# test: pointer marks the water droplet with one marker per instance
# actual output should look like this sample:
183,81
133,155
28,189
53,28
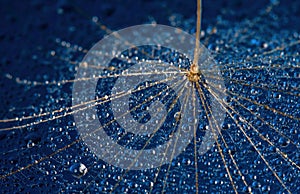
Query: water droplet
78,170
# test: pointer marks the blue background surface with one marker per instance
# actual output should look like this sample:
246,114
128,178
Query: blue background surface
30,31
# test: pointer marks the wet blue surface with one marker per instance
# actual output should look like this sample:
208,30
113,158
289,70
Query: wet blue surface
34,37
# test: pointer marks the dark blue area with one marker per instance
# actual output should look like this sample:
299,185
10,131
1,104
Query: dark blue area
30,31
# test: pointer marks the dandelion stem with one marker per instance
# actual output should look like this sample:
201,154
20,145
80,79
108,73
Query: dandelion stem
195,67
